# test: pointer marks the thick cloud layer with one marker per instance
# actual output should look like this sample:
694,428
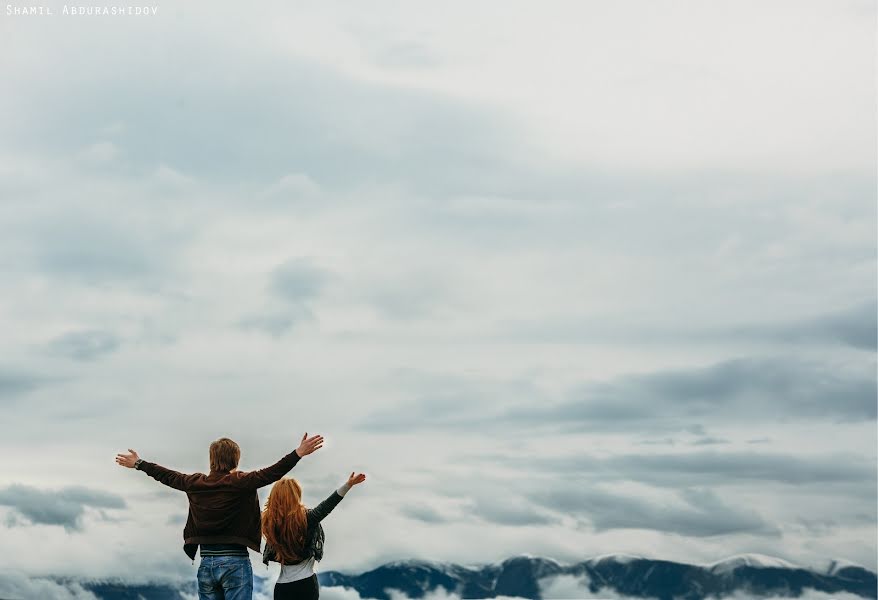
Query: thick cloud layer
65,507
18,585
740,390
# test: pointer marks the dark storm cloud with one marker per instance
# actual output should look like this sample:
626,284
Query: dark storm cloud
741,389
64,507
575,485
707,467
85,345
699,512
856,326
734,391
714,467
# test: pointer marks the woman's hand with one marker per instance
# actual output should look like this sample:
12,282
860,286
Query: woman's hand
355,479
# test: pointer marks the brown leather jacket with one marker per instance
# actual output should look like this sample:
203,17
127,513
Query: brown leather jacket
223,506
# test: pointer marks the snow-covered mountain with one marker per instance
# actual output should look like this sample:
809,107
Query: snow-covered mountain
754,575
756,561
746,575
840,566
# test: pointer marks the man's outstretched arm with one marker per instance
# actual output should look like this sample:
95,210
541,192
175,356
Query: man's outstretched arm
170,478
268,475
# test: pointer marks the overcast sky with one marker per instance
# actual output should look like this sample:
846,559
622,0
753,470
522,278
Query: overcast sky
565,279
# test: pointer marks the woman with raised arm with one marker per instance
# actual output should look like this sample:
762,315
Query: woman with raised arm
294,536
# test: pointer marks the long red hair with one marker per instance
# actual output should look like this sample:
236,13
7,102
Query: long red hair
284,521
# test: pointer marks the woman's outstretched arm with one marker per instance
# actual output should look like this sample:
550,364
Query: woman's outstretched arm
319,512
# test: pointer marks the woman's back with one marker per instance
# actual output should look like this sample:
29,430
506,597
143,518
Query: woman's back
297,544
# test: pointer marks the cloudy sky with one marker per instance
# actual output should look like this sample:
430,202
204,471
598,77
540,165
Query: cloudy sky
564,279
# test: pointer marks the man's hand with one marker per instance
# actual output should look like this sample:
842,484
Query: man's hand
355,479
127,460
309,445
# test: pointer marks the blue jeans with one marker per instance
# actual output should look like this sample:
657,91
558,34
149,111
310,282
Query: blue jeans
225,578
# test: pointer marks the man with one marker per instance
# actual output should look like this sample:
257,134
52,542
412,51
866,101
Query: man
224,516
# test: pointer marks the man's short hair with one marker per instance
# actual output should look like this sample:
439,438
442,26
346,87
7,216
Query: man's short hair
224,455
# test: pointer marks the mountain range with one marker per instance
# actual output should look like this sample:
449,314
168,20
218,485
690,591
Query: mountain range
634,576
751,575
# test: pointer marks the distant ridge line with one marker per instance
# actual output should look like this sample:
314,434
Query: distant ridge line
528,576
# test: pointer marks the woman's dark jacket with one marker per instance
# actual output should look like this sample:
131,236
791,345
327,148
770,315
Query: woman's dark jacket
314,536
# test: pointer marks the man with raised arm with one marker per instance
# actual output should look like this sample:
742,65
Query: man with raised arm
224,513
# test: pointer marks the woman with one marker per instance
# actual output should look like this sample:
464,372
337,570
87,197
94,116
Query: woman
294,536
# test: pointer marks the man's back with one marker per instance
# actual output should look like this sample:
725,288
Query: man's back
223,506
220,506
